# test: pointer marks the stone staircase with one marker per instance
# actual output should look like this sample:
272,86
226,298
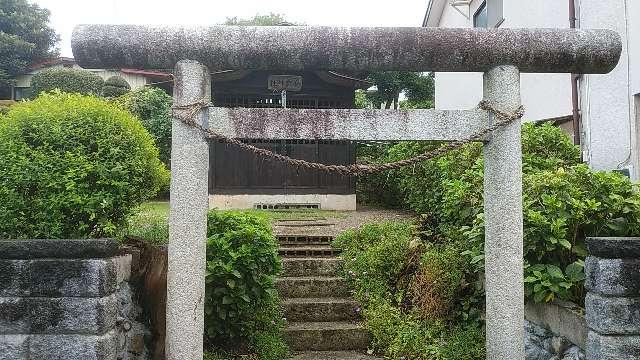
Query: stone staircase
322,318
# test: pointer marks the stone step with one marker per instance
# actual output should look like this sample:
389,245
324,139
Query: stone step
305,239
305,266
312,287
321,309
308,251
333,355
326,336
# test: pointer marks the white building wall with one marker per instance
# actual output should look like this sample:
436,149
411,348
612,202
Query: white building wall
543,95
607,101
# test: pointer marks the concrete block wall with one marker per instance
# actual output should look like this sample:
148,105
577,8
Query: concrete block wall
61,299
613,300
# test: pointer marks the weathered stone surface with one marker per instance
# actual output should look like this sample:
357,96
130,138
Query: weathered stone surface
602,347
187,219
321,309
614,247
323,336
58,248
57,315
333,355
504,280
57,347
300,287
14,347
310,266
613,277
542,344
347,49
558,319
73,347
613,315
58,277
132,325
351,124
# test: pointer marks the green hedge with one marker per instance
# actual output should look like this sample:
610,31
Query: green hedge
67,80
563,202
115,86
73,166
241,303
153,107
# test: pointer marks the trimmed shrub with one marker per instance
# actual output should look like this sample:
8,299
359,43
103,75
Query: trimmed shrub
67,80
241,303
115,86
153,107
73,166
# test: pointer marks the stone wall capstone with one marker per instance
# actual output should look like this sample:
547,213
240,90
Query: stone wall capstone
613,300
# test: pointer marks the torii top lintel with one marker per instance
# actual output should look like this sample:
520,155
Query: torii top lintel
297,48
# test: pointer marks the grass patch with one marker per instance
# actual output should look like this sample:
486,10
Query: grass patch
151,220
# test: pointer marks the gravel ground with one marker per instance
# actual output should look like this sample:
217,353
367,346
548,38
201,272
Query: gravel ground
328,225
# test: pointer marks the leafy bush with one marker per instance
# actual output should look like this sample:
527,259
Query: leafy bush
383,262
563,202
115,86
374,256
153,107
241,302
437,284
67,80
73,166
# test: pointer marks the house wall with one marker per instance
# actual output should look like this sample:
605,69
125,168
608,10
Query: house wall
607,101
543,95
135,81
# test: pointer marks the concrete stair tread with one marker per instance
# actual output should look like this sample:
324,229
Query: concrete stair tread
325,325
325,300
311,258
307,278
332,355
308,247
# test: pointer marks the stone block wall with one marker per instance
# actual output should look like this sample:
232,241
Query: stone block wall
613,300
555,331
64,299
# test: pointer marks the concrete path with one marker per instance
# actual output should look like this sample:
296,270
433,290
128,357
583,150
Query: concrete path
333,355
323,321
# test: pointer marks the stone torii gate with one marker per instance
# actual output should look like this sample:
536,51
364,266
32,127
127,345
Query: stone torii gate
500,53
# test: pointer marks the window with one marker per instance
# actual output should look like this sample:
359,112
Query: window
480,18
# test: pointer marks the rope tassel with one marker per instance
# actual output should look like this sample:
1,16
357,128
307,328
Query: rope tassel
187,114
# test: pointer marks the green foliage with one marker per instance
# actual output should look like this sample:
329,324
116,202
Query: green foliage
115,86
25,38
150,223
374,256
153,107
260,20
241,302
436,286
73,166
418,88
67,80
563,202
384,263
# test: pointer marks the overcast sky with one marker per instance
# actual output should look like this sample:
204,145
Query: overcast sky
65,14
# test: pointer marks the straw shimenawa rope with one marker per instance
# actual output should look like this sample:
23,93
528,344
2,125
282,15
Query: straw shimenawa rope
187,114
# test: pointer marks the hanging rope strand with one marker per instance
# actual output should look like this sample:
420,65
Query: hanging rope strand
187,114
